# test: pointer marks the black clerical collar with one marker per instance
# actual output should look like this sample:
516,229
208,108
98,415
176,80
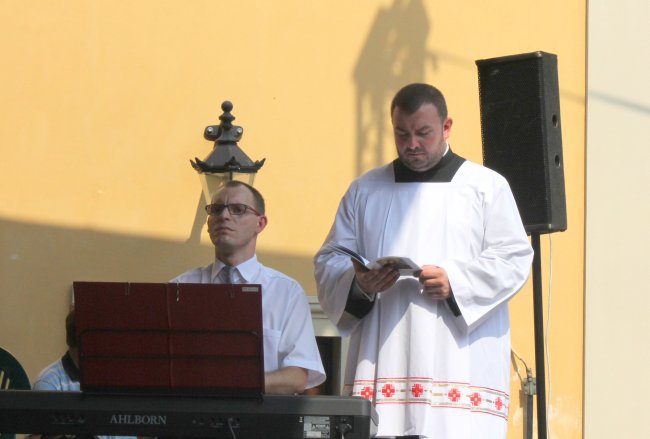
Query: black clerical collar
442,172
70,368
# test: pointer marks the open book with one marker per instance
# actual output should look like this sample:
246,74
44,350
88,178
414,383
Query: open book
404,265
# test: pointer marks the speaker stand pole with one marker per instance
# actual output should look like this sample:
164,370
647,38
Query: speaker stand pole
538,310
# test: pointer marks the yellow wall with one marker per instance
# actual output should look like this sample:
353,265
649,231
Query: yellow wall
105,102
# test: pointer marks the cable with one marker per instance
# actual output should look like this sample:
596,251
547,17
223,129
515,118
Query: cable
344,428
530,389
232,431
518,357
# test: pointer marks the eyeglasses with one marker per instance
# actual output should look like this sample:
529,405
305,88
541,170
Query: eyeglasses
236,209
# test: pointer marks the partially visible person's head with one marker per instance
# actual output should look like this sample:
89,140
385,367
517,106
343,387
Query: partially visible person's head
71,336
420,125
235,218
71,329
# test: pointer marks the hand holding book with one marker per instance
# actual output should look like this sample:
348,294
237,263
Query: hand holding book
404,265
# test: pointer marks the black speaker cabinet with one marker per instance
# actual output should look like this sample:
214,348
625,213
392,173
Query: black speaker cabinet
522,137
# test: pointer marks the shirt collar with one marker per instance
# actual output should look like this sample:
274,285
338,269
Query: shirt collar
442,172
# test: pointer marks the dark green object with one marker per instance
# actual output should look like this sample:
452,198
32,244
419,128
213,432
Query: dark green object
12,376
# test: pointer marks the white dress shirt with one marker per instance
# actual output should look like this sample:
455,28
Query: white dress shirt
286,319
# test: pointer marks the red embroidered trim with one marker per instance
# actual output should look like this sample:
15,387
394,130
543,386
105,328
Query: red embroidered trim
436,394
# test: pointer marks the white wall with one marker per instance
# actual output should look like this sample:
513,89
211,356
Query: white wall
617,296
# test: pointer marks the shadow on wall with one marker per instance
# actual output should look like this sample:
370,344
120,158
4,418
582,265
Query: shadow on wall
393,55
39,263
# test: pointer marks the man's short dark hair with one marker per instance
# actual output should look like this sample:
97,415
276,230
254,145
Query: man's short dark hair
411,97
260,205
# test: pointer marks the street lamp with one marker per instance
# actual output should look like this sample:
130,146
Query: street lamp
227,161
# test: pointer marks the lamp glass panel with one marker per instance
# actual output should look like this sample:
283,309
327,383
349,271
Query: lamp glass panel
212,182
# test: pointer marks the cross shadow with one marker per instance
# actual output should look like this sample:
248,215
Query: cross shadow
393,55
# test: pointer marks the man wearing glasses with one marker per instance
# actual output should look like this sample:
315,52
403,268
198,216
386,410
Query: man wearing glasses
235,219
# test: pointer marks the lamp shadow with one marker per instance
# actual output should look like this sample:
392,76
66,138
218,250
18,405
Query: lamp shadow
394,54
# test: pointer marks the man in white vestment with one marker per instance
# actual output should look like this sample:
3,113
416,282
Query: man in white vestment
431,352
291,359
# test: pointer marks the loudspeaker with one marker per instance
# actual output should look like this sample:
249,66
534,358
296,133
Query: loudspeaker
522,137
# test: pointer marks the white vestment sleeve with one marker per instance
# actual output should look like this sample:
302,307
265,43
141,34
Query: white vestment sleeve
334,272
483,283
